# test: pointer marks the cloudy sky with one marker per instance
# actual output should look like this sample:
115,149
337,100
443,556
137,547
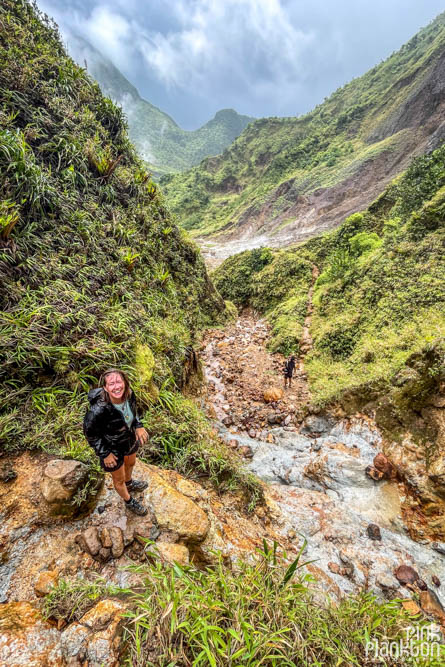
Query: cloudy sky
261,57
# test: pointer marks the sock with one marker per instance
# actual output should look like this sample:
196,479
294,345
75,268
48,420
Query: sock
129,500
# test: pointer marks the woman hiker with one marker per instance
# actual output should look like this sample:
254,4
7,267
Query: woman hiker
113,429
288,370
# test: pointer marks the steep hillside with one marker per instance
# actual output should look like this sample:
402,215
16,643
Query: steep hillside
291,178
378,321
93,273
159,140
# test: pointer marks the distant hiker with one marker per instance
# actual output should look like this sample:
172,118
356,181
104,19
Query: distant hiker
288,371
113,430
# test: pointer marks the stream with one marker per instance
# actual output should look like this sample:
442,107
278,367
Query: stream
314,466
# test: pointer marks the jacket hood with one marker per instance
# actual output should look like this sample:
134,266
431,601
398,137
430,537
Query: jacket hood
94,395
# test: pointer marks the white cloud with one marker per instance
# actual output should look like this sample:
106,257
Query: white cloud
247,41
262,57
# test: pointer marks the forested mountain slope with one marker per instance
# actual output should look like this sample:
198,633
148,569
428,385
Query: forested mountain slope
157,137
291,178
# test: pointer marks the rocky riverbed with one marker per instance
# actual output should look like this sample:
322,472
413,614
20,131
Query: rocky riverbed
324,472
329,486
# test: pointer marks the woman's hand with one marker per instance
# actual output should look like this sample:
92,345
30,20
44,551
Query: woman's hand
141,435
110,461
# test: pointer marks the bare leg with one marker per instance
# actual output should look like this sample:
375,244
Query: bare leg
119,483
129,462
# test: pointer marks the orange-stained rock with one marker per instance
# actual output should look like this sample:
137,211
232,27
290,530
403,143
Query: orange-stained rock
173,510
272,394
431,604
172,553
102,614
26,638
45,581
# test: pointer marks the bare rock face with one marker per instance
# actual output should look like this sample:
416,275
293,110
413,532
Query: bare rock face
272,394
61,479
437,473
174,511
26,638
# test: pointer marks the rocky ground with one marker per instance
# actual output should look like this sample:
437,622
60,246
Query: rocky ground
328,482
245,383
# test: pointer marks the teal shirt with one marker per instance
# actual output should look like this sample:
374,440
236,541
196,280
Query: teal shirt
126,412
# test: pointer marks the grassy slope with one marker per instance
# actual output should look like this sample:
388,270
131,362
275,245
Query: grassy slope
158,139
93,273
357,123
379,304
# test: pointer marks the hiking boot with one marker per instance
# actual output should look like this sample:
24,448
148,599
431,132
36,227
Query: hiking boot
134,506
136,485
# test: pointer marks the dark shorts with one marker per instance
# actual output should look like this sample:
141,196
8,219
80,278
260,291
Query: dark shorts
132,449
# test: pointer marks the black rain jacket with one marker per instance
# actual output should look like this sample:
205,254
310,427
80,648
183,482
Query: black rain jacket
104,425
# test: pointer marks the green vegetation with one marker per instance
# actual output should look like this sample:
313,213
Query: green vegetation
275,283
93,272
378,324
264,612
371,121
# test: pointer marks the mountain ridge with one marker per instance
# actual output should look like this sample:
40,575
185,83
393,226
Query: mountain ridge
157,136
291,178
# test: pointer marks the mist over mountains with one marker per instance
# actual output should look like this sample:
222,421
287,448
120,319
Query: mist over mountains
158,138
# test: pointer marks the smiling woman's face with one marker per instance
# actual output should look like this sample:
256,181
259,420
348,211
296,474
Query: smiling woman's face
115,386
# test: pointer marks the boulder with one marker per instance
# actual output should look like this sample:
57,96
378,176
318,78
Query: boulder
431,605
373,473
406,574
384,466
246,451
89,541
26,638
45,581
173,510
94,640
171,552
105,537
117,541
272,394
374,532
61,479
